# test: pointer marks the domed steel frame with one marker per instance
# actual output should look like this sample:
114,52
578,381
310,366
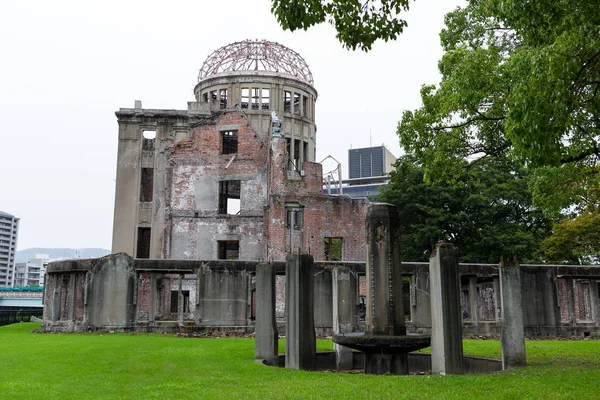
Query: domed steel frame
256,55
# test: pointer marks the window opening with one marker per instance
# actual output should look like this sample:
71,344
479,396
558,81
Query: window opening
229,249
297,153
148,140
229,197
287,101
305,144
297,103
143,243
175,301
245,97
255,98
229,142
304,106
213,95
146,184
265,99
205,97
223,98
333,248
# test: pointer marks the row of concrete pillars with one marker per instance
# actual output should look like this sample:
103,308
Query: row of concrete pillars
446,338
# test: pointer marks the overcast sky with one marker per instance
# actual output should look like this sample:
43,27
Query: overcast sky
67,66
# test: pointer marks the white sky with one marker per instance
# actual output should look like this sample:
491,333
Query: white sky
67,66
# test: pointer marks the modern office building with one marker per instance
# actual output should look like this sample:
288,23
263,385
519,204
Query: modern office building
9,229
369,162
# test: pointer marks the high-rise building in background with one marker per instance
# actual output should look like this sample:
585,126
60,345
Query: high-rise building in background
9,229
370,162
31,273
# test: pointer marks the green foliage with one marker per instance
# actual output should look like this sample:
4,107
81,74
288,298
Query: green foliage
126,366
358,24
487,212
518,78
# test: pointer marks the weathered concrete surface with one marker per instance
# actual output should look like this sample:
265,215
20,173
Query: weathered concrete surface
345,297
223,296
385,313
512,339
446,320
323,303
266,325
300,339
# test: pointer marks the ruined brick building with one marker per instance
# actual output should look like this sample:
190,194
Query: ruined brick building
216,181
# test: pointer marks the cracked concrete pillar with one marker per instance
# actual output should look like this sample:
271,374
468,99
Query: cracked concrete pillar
180,301
300,340
446,319
512,338
266,325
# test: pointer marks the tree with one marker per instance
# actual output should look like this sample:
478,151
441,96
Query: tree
358,23
518,78
486,213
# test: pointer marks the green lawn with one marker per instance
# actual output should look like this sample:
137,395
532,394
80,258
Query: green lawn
125,366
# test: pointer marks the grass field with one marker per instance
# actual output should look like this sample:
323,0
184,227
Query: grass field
127,366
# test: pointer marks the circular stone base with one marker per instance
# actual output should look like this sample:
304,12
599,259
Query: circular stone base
382,344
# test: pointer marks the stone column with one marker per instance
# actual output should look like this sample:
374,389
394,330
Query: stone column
180,301
385,313
497,299
153,289
345,296
512,338
323,302
446,320
473,301
266,324
300,340
570,300
594,302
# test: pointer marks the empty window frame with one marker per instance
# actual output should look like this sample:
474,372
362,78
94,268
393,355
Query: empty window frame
205,97
297,103
228,249
143,243
333,248
213,95
223,98
175,301
148,140
265,99
245,97
304,106
229,197
229,142
305,144
294,218
287,101
146,184
255,98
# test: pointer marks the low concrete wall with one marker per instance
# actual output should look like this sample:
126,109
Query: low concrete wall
119,293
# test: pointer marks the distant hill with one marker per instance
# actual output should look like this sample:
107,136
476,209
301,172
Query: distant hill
24,255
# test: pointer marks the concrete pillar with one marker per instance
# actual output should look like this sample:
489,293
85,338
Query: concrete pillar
446,320
323,303
497,299
594,302
570,300
300,340
345,296
473,301
180,301
385,314
266,325
512,338
153,289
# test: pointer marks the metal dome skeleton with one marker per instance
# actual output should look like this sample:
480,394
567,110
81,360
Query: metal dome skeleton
256,55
